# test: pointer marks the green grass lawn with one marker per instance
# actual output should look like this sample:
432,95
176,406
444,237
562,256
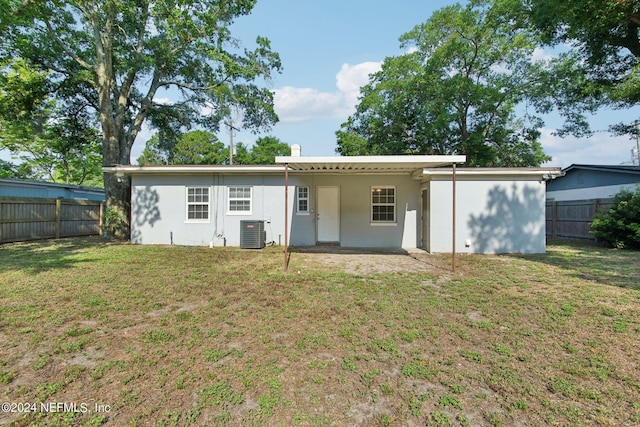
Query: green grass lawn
153,335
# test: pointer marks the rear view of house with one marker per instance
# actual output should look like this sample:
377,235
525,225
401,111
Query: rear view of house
359,201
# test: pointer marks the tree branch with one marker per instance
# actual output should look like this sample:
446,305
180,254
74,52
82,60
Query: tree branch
52,33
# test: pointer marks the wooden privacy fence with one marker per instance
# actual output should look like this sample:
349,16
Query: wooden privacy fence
34,219
572,218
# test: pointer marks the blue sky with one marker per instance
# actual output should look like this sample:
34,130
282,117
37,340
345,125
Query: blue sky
329,47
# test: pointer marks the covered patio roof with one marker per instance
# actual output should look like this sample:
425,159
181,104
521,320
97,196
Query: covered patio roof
367,164
350,165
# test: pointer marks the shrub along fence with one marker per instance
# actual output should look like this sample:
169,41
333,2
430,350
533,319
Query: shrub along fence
34,218
572,218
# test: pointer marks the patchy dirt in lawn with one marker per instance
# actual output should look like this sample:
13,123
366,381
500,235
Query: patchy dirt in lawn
360,261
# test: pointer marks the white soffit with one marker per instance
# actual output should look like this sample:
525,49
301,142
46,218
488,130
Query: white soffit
522,173
367,164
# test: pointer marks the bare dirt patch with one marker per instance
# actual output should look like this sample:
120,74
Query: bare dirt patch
360,261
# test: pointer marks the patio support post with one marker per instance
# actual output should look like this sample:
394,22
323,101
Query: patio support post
453,229
286,216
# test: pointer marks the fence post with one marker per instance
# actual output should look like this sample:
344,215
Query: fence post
58,218
100,219
554,219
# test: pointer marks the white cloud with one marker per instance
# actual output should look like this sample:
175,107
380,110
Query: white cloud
599,149
163,101
351,78
295,105
540,54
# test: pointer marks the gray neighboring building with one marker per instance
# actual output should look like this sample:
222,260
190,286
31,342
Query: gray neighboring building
359,201
585,182
10,187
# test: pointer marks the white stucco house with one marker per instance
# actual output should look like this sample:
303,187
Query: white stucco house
359,201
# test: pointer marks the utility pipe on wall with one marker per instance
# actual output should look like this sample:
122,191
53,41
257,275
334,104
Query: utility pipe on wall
286,216
453,250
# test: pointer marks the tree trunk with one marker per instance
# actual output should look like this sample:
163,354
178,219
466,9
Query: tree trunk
118,215
116,151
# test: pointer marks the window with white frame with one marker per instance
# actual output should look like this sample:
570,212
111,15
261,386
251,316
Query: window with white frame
240,200
383,204
303,200
197,203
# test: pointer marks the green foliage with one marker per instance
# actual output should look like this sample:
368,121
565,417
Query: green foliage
6,376
266,149
24,102
114,222
54,143
198,147
418,369
11,170
157,336
439,419
203,148
620,225
447,400
112,58
606,36
455,92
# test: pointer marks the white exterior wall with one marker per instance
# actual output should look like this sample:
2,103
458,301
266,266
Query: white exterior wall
492,216
356,229
159,210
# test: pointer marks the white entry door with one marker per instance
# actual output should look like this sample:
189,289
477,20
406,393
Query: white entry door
328,214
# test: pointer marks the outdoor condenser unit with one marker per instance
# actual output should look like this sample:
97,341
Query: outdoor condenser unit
252,234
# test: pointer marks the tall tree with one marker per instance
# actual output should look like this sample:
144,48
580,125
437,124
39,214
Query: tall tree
25,104
265,150
604,33
73,147
156,152
191,148
55,143
201,147
116,55
458,91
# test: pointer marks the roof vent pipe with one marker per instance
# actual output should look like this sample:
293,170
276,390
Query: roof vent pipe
295,150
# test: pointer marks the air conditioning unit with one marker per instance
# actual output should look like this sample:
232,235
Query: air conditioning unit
252,234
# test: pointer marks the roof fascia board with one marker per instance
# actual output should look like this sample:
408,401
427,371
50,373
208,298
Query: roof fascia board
192,170
351,165
339,160
498,173
28,183
604,168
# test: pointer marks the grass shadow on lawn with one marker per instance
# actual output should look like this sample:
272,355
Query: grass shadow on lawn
40,256
592,262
